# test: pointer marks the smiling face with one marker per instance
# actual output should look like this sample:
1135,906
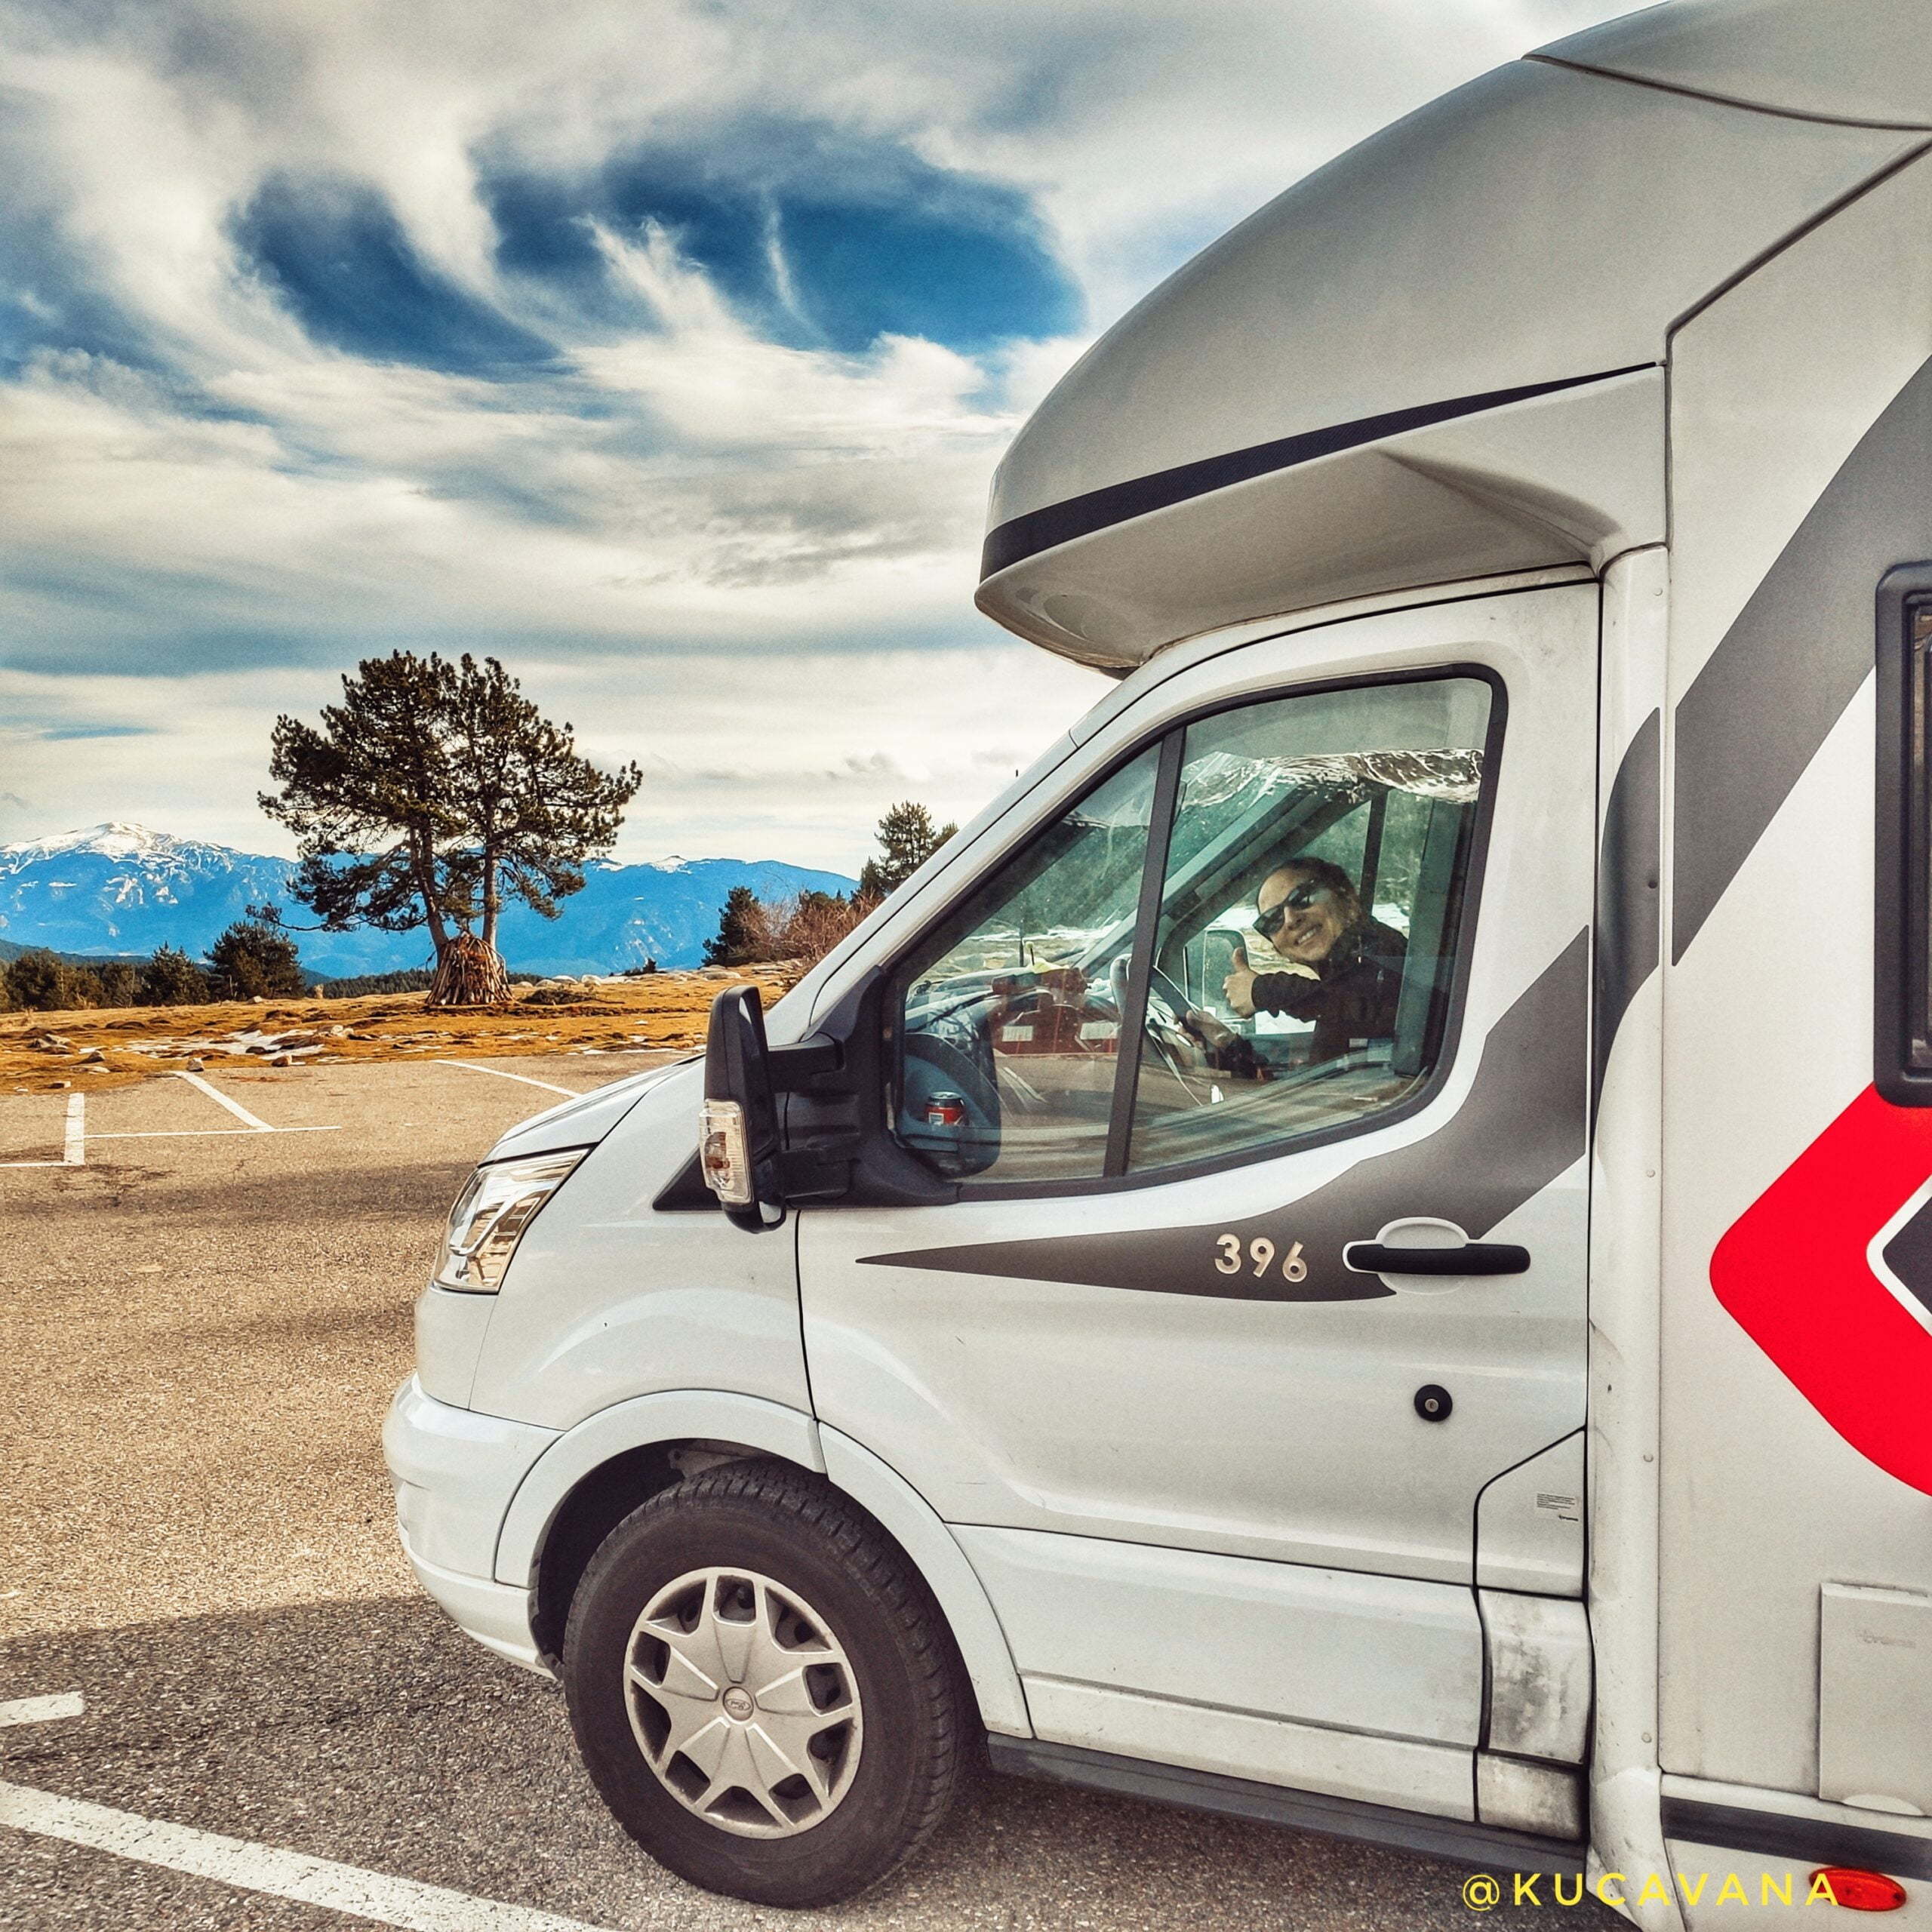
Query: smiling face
1313,915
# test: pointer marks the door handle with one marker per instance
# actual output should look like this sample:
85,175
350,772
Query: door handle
1475,1257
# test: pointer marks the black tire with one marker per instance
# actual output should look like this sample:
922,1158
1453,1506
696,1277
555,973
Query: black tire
795,1529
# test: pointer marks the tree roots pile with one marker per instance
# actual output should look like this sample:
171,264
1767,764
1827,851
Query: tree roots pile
469,973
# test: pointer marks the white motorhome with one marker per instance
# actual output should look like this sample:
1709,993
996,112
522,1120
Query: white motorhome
1358,1250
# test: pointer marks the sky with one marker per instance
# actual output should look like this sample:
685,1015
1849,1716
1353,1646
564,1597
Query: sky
662,349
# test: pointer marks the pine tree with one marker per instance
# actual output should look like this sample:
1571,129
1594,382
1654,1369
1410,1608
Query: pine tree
120,984
255,958
744,931
43,983
907,838
433,795
532,809
368,797
171,978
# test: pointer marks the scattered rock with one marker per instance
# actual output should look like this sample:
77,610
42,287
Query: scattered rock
198,1066
94,1057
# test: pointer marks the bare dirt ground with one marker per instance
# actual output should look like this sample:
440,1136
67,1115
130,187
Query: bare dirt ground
96,1049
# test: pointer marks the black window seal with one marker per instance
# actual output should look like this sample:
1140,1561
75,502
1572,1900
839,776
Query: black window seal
1902,888
1174,733
1140,970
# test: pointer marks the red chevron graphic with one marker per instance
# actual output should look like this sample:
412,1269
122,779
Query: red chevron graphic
1792,1272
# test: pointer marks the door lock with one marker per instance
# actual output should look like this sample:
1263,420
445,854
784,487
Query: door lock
1433,1402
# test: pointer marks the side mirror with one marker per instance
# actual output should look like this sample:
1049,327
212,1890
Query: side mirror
738,1144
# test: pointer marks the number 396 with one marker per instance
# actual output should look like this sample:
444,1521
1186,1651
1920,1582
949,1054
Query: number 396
1259,1257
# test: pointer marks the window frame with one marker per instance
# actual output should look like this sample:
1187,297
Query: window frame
1902,894
1171,738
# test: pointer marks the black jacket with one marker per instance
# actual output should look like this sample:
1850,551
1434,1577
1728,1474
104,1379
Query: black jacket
1355,995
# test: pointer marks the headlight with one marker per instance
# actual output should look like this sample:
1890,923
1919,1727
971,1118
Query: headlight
501,1201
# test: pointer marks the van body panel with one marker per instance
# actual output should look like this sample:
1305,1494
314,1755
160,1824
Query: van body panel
607,1298
1433,1779
1530,1524
1875,1698
1336,1649
450,1328
1289,323
1255,435
454,1470
1626,1185
1571,476
1787,516
1852,59
934,1550
1538,1676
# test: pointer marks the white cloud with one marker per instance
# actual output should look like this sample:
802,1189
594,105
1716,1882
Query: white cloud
748,560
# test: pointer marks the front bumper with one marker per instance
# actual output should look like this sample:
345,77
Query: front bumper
455,1472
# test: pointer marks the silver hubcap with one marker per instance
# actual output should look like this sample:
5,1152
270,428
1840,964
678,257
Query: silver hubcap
743,1702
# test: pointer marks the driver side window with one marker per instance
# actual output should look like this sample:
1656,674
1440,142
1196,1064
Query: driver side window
1009,1015
1245,938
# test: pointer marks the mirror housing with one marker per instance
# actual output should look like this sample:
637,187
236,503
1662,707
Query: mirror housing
738,1142
798,1123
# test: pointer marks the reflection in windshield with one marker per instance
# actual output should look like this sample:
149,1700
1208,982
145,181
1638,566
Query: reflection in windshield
1295,977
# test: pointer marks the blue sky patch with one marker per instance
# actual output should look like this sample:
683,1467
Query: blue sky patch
343,264
820,240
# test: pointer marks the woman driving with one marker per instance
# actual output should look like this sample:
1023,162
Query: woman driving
1350,977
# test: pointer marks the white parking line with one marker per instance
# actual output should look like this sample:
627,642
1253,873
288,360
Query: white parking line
261,1868
74,1144
201,1133
221,1099
548,1086
43,1710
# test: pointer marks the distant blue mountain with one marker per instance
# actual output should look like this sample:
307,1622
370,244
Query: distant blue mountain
121,890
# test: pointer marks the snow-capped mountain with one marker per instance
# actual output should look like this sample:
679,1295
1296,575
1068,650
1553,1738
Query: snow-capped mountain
119,889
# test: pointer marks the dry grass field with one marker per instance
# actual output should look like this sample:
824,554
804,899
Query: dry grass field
95,1049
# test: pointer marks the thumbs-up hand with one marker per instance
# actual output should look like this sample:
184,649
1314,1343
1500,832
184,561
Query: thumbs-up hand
1238,987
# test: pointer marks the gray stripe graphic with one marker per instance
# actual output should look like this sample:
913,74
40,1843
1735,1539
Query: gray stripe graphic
1799,650
1628,908
1521,1125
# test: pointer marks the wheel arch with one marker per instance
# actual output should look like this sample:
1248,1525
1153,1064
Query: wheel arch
593,1476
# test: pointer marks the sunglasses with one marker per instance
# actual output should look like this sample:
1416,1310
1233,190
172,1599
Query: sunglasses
1268,923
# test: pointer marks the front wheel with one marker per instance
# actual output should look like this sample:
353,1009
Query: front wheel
762,1688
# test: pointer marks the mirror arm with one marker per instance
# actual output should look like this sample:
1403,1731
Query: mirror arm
838,1145
814,1111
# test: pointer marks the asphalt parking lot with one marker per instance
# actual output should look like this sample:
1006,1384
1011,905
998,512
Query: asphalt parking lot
218,1683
